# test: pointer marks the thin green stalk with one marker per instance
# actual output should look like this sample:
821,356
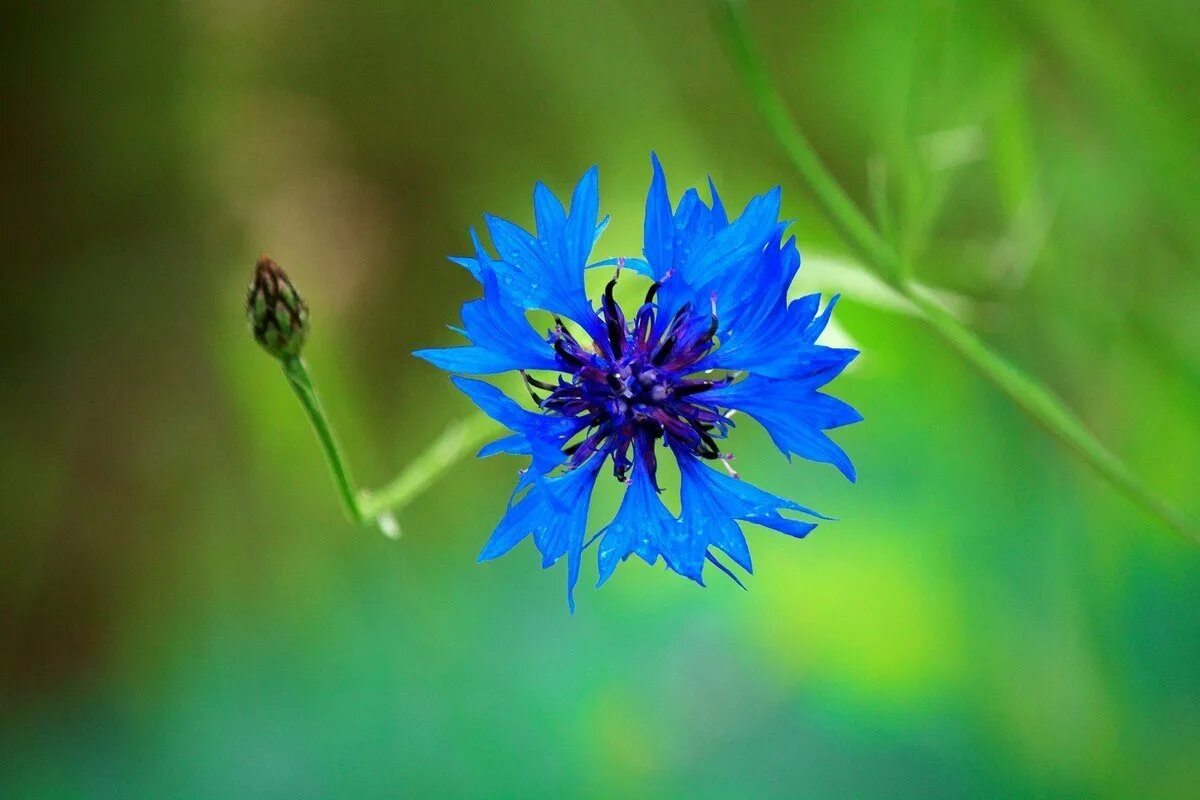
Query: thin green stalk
1030,396
855,228
367,507
1050,412
461,438
298,378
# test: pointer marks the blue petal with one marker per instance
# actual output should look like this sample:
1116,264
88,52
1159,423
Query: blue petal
502,339
714,257
539,435
516,445
473,265
659,230
696,251
546,271
713,502
814,329
785,357
548,213
720,218
794,414
555,511
761,333
580,231
633,264
643,526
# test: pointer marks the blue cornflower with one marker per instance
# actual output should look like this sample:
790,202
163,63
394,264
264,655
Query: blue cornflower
715,334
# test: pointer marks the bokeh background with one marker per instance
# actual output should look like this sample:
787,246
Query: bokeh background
183,610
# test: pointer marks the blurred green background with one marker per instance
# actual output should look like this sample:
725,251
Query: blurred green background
183,611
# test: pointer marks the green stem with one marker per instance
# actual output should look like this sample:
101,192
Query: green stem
878,256
457,440
298,378
366,507
1050,412
855,228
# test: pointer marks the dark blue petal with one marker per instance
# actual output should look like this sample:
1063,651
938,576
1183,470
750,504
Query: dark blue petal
794,414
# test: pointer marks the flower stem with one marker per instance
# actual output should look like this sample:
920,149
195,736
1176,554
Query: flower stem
298,378
366,507
459,439
1038,402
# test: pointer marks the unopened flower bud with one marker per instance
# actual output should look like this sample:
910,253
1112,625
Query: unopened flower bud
278,314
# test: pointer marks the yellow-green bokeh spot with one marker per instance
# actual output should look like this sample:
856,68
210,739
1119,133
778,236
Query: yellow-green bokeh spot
872,617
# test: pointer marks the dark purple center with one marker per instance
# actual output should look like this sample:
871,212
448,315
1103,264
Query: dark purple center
632,387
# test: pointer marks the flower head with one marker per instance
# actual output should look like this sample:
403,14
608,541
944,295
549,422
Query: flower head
714,333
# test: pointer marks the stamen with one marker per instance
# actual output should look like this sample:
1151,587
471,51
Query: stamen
549,387
712,325
629,389
530,383
688,388
614,320
725,458
663,351
565,355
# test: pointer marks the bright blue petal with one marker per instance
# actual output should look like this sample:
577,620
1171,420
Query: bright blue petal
794,414
555,512
644,527
695,251
788,358
540,435
761,333
659,232
546,271
814,329
720,218
713,502
580,231
715,253
502,339
633,264
601,227
516,445
471,265
548,213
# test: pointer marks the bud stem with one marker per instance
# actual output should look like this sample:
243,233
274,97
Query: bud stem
297,376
